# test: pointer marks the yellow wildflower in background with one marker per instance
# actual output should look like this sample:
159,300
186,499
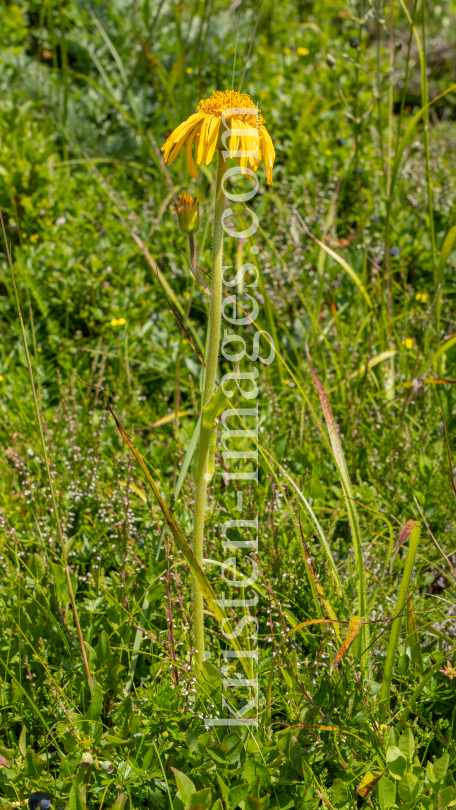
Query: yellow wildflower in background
118,322
203,128
408,343
422,296
303,51
1,378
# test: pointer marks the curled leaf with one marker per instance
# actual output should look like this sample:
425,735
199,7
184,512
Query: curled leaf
353,630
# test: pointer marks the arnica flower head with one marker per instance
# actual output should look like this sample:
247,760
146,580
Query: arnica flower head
187,210
206,124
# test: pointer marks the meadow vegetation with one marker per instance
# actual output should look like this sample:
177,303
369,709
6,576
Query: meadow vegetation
102,704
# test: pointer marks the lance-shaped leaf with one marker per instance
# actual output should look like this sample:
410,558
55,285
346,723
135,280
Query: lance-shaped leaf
353,630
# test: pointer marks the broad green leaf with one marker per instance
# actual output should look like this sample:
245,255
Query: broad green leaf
283,801
217,805
252,803
184,784
34,765
218,752
201,798
237,795
339,793
252,768
103,648
37,566
120,802
437,770
197,742
75,800
396,762
445,796
407,744
409,787
386,793
96,702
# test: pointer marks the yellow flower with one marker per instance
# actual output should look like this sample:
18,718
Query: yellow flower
189,70
287,51
303,51
34,237
114,322
203,127
408,343
121,322
187,213
1,378
423,297
328,152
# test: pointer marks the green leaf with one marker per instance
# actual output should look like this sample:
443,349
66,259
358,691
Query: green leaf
104,651
252,768
75,800
237,795
283,801
396,762
447,247
339,793
409,787
23,741
34,765
197,742
445,796
218,752
386,793
217,805
407,744
37,566
252,803
185,785
96,702
201,798
120,802
437,770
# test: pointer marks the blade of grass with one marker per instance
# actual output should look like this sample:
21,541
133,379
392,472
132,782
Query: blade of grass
46,462
395,629
352,516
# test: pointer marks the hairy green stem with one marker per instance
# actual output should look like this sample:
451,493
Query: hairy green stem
215,317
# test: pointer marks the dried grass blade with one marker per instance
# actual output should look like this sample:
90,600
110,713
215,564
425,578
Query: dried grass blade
353,629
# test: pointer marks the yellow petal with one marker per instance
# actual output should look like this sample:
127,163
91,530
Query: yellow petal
268,152
193,171
234,139
202,146
212,138
180,133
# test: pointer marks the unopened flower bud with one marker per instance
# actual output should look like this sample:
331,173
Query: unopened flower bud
330,60
187,211
87,758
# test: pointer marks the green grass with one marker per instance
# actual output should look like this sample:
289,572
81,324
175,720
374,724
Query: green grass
86,97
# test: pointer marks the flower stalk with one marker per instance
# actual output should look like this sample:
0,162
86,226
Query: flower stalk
202,474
